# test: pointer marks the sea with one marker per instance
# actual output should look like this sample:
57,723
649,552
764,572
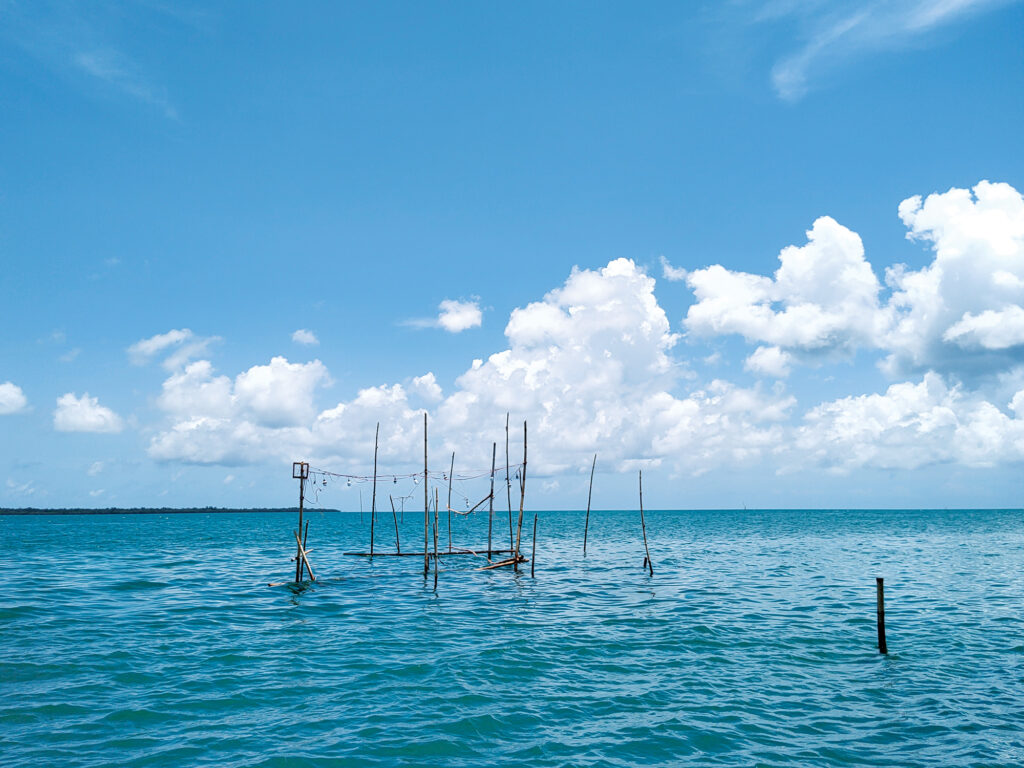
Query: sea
155,640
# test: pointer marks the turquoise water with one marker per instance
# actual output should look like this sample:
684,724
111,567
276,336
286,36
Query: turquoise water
154,640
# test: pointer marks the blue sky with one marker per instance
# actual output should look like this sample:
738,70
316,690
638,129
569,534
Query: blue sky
420,186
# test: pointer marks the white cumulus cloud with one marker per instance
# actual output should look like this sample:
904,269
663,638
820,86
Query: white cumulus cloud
84,414
823,298
912,425
12,398
769,361
588,366
457,316
304,336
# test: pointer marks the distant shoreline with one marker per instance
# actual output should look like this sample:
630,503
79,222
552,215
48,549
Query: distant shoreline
150,510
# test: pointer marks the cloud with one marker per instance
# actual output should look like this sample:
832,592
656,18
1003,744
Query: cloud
185,345
457,316
84,414
827,291
303,336
912,425
12,399
453,316
670,273
962,312
117,70
427,387
95,468
836,33
769,361
588,365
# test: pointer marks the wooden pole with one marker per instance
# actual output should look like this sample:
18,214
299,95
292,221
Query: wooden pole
490,505
302,554
590,491
522,496
533,547
435,536
398,544
373,502
305,535
426,504
450,502
880,598
643,526
508,482
302,499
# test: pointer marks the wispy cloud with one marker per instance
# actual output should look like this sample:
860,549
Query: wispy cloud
94,40
453,316
115,69
836,33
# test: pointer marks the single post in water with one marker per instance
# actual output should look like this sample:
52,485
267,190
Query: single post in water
590,491
643,526
300,472
426,504
373,501
450,471
490,502
880,595
533,546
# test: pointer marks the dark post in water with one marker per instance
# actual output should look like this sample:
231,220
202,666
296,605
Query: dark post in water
880,593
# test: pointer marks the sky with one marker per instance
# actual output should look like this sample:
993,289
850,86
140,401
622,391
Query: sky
769,252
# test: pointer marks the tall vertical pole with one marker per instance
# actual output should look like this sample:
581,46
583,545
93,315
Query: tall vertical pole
450,502
508,485
643,526
426,504
590,491
490,503
398,544
373,502
436,558
302,499
522,496
880,599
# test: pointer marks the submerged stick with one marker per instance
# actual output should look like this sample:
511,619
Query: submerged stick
590,491
398,544
490,506
453,553
373,502
533,548
511,561
880,599
450,502
647,560
426,504
522,495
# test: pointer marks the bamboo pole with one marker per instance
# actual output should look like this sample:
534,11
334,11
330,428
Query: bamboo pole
373,502
426,504
490,505
302,553
508,484
398,544
533,547
880,607
302,499
643,526
450,502
453,553
305,535
590,491
522,496
435,536
510,561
